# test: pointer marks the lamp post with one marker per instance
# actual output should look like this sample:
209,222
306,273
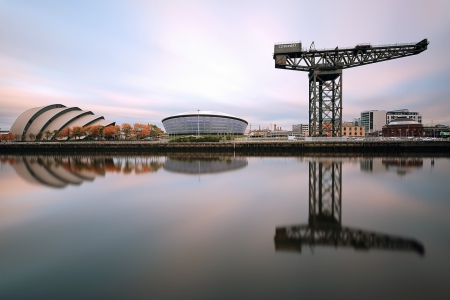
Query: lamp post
198,122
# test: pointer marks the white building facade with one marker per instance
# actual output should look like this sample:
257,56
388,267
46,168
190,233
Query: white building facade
403,113
373,120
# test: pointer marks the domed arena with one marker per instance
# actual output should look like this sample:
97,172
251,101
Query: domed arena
204,122
54,117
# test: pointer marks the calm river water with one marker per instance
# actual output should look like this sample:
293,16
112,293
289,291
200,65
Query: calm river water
215,227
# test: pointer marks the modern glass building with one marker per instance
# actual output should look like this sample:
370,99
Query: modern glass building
204,122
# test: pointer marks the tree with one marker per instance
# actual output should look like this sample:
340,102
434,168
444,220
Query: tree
17,137
47,134
117,132
77,132
55,134
39,136
32,136
137,130
145,131
95,131
65,133
126,130
109,132
10,136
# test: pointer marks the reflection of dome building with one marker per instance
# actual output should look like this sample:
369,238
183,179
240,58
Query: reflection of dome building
402,165
403,127
204,122
54,117
204,165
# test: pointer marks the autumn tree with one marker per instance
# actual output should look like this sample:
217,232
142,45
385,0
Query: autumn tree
126,130
145,131
137,129
78,132
65,133
95,131
109,132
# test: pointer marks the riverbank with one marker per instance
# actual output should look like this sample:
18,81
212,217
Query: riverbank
247,147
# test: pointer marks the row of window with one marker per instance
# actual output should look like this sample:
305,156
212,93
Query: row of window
204,125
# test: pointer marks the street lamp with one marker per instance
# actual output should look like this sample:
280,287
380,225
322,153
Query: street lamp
198,122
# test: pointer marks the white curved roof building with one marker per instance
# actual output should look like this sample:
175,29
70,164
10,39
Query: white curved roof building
54,117
204,122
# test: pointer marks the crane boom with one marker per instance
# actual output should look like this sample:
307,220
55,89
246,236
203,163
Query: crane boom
344,58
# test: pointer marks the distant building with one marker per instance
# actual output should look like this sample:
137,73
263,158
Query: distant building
403,127
403,113
438,130
373,120
300,129
348,129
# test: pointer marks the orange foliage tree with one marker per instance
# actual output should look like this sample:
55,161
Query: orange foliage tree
109,132
95,131
126,130
65,133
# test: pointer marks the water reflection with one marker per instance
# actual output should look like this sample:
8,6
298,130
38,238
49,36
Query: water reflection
324,226
204,165
401,166
61,171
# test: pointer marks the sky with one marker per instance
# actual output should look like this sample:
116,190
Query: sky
140,61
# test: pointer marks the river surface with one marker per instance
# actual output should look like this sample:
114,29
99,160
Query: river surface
217,227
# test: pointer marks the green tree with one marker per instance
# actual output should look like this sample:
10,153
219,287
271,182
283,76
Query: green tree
39,136
47,134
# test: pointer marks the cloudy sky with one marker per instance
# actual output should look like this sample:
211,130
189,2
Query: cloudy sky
141,61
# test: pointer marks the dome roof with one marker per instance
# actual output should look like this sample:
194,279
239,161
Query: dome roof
403,121
54,117
204,113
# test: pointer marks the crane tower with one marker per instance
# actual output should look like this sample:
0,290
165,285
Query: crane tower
324,69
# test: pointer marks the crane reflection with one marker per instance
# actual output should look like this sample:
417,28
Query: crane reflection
324,227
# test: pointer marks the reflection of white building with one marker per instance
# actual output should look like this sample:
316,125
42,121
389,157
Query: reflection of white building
372,165
52,172
204,122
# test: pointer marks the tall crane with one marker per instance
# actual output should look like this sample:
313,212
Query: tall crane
324,69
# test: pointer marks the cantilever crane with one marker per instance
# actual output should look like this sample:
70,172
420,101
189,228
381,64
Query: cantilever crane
325,75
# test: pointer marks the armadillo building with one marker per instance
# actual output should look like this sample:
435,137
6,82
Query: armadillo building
54,117
204,122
